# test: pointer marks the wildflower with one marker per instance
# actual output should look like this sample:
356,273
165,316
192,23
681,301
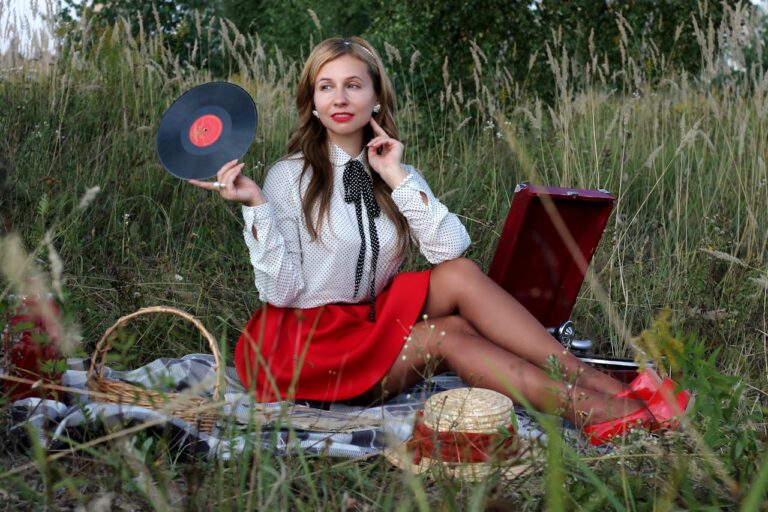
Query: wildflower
13,264
315,19
88,197
57,265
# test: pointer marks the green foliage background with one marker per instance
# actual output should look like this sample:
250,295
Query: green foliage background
510,35
673,126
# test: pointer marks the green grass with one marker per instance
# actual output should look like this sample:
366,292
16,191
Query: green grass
684,157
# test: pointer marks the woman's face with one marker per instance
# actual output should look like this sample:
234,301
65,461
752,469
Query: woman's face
344,97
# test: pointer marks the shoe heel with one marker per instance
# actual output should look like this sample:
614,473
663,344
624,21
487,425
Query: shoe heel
672,420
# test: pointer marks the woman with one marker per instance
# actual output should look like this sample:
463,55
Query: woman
326,237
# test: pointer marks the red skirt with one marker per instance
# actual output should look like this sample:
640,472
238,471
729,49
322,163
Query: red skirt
330,352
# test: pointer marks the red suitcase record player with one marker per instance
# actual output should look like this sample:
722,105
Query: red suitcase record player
548,240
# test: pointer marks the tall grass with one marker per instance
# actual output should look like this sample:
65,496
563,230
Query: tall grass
684,156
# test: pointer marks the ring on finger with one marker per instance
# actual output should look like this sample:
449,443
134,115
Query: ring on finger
219,185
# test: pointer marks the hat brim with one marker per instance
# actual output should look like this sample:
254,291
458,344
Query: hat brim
399,456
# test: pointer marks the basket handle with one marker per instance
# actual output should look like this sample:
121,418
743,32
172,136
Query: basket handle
103,346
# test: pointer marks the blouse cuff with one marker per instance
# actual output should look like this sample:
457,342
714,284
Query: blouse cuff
405,180
256,215
407,195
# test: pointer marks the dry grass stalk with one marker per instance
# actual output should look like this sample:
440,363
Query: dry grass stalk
724,256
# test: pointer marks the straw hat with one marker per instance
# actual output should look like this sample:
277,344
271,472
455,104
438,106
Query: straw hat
467,433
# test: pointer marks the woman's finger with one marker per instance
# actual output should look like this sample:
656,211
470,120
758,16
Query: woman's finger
374,143
380,141
386,146
207,185
228,177
224,168
231,178
378,130
380,138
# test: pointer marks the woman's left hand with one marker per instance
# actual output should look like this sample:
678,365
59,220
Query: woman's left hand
384,154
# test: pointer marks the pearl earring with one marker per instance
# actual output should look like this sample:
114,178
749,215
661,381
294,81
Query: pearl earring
316,113
376,108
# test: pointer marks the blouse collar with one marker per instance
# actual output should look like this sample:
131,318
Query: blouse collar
339,157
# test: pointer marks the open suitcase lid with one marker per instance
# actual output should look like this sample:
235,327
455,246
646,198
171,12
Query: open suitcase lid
546,245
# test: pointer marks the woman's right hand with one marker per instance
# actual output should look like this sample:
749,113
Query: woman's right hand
233,186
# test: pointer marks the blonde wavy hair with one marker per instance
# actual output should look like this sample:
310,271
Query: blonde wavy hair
310,136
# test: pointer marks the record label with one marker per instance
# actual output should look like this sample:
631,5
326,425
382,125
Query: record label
195,141
205,130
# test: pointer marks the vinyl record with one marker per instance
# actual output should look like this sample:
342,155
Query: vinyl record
206,127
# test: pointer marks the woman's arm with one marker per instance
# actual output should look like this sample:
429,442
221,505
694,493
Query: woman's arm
271,229
271,233
439,233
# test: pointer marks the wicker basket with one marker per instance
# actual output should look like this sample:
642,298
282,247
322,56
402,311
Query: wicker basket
196,411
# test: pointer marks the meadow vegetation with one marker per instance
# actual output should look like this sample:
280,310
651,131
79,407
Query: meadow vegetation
684,155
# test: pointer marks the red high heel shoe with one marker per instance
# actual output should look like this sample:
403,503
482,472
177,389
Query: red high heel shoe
667,407
643,386
658,413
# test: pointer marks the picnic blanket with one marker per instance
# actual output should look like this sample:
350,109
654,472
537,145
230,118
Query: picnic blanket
337,430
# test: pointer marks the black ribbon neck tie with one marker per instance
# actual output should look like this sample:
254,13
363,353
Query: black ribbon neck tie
358,188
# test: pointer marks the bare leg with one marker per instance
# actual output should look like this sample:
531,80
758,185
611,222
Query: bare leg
460,287
479,362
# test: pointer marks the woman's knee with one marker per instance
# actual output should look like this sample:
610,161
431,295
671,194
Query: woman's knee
445,335
448,283
460,326
459,267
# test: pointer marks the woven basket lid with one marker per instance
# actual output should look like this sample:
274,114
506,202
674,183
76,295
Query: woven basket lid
468,410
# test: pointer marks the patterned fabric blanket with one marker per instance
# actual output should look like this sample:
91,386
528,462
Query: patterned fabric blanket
339,430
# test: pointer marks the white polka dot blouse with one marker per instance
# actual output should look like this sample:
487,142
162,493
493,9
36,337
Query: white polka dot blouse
292,270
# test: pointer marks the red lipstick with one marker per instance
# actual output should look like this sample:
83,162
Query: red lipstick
342,117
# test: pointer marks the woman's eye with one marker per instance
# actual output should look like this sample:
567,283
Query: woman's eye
354,86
